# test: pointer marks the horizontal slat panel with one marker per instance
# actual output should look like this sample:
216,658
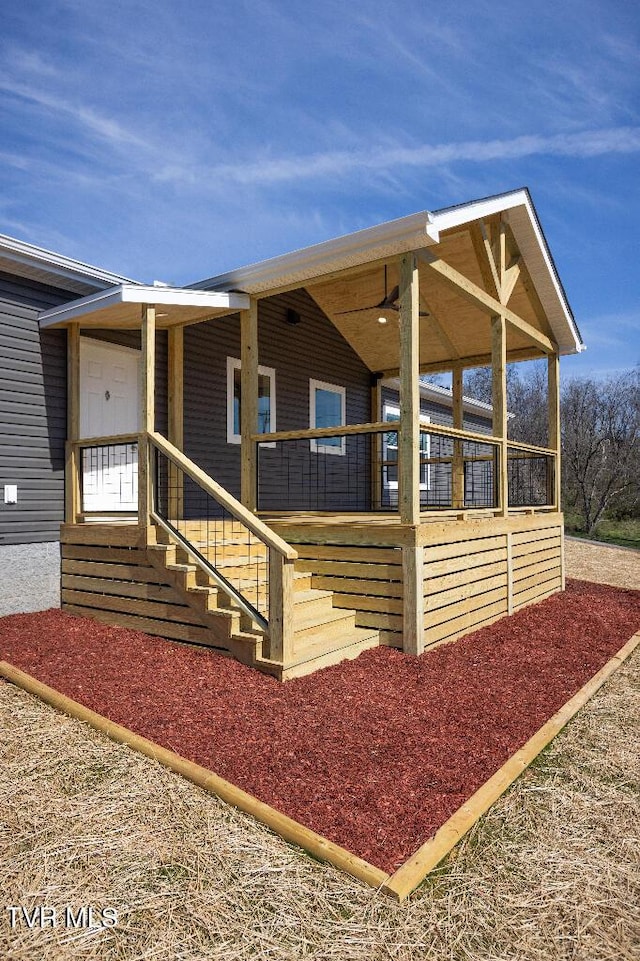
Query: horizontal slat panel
148,591
170,629
436,585
386,572
463,548
464,562
373,555
119,572
126,605
111,555
465,623
453,611
358,587
465,593
127,535
532,557
537,593
528,537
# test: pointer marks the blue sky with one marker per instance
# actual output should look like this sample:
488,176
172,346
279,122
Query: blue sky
173,141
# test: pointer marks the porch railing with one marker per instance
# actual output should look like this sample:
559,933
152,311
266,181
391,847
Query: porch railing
251,564
355,469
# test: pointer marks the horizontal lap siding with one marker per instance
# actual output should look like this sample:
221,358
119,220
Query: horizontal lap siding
32,412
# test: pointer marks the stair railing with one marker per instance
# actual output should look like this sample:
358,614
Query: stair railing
209,524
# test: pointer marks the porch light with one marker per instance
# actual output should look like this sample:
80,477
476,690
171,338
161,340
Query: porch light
382,319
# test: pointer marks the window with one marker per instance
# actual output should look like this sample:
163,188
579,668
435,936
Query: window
391,412
327,408
266,401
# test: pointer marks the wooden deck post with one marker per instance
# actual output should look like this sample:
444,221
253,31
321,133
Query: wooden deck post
280,608
249,386
376,443
409,435
175,379
457,466
409,454
147,411
553,384
499,402
73,459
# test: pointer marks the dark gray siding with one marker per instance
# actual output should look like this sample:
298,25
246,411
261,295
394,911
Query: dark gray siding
32,412
311,349
33,405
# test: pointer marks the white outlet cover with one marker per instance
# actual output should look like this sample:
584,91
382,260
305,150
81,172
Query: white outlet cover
11,493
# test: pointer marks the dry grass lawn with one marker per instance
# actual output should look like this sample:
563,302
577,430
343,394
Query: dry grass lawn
552,872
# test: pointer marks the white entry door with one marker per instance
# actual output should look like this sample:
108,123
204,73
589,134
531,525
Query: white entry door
109,405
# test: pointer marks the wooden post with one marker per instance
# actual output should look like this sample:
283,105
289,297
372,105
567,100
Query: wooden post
457,466
147,411
376,444
409,454
413,604
249,405
280,608
73,458
409,435
555,443
499,402
175,382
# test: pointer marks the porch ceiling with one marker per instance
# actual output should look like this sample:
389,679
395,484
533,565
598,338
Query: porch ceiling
451,328
122,307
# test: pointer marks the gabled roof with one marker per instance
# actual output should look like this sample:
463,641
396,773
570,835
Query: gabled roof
317,267
54,270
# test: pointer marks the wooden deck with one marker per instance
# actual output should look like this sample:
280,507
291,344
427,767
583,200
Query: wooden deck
349,588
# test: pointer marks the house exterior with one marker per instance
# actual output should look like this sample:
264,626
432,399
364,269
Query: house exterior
285,488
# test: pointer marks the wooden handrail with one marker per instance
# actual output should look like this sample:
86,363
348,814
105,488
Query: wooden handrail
310,433
239,511
107,441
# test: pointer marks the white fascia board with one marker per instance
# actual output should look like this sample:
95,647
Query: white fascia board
443,395
57,264
140,295
311,263
523,219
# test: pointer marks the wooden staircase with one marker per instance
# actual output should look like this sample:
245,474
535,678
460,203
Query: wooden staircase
323,634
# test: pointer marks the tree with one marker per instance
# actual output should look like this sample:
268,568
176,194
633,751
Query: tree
601,445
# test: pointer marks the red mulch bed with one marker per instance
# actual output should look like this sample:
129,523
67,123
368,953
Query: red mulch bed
375,753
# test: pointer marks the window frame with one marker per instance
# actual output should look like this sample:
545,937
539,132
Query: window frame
233,364
390,406
316,443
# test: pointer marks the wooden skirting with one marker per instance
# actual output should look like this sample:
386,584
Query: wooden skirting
106,576
475,570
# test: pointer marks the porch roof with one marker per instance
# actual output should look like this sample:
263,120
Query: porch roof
122,307
352,277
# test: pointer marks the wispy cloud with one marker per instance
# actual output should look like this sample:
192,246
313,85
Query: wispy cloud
591,143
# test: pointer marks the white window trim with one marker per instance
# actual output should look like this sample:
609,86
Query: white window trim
390,408
316,444
233,364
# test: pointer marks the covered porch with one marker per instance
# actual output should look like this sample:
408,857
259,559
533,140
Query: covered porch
344,536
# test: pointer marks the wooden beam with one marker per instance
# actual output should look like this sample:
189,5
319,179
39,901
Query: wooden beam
73,457
281,605
554,441
249,405
413,598
375,414
441,333
409,435
457,466
473,360
499,403
485,258
147,412
481,299
512,273
175,404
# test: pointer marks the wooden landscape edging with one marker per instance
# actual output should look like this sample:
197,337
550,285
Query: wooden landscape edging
416,868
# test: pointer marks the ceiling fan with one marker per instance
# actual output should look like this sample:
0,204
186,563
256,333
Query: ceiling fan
390,301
